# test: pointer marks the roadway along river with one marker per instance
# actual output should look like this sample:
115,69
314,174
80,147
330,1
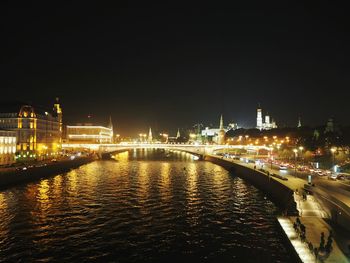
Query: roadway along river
145,206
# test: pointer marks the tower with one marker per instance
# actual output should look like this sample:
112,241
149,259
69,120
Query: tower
259,119
150,138
221,123
110,125
58,110
178,134
273,124
267,120
221,133
299,122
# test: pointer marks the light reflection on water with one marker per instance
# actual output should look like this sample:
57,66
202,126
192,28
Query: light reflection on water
144,206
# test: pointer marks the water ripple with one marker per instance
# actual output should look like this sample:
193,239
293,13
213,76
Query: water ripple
143,207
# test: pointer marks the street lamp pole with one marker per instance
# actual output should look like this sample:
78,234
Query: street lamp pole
301,148
333,155
295,163
271,157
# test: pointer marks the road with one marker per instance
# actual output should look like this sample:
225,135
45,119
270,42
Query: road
296,180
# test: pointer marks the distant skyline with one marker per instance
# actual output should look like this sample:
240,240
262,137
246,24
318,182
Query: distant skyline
172,67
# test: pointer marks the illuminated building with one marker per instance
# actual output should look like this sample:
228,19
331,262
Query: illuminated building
150,137
38,130
215,134
222,132
267,125
175,139
7,147
89,133
299,123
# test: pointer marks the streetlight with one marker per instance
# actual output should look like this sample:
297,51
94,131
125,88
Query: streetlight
301,148
295,164
271,156
333,150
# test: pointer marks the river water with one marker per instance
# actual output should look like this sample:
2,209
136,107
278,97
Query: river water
144,206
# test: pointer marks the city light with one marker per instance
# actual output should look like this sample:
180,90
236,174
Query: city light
190,134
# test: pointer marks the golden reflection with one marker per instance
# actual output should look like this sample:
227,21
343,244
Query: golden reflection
72,181
164,180
143,181
122,157
193,213
220,182
192,174
43,194
90,179
57,185
3,202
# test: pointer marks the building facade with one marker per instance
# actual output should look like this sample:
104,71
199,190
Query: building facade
38,130
89,134
268,124
8,143
216,135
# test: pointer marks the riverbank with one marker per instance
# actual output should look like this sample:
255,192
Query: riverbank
11,177
278,192
286,191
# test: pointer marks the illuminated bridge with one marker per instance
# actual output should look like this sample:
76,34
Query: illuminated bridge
196,149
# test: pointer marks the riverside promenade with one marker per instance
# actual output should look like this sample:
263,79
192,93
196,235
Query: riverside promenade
311,214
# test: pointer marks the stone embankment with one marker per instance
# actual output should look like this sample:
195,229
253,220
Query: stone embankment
11,177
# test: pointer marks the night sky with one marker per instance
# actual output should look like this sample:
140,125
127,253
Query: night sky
174,66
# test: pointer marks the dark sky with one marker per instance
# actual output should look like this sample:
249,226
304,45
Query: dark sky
168,66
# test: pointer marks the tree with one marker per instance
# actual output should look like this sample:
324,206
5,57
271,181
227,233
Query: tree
311,247
322,242
329,242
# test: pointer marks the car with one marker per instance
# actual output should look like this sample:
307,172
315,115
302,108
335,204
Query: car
333,177
282,167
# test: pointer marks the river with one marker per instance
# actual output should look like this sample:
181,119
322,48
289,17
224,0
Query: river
143,206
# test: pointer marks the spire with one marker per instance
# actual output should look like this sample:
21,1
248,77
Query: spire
178,134
221,123
58,110
299,122
110,124
150,138
56,106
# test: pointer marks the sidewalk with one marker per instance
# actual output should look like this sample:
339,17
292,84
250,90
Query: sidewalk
309,207
314,227
311,215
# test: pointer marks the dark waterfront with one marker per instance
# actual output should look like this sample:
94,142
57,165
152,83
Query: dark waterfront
148,205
